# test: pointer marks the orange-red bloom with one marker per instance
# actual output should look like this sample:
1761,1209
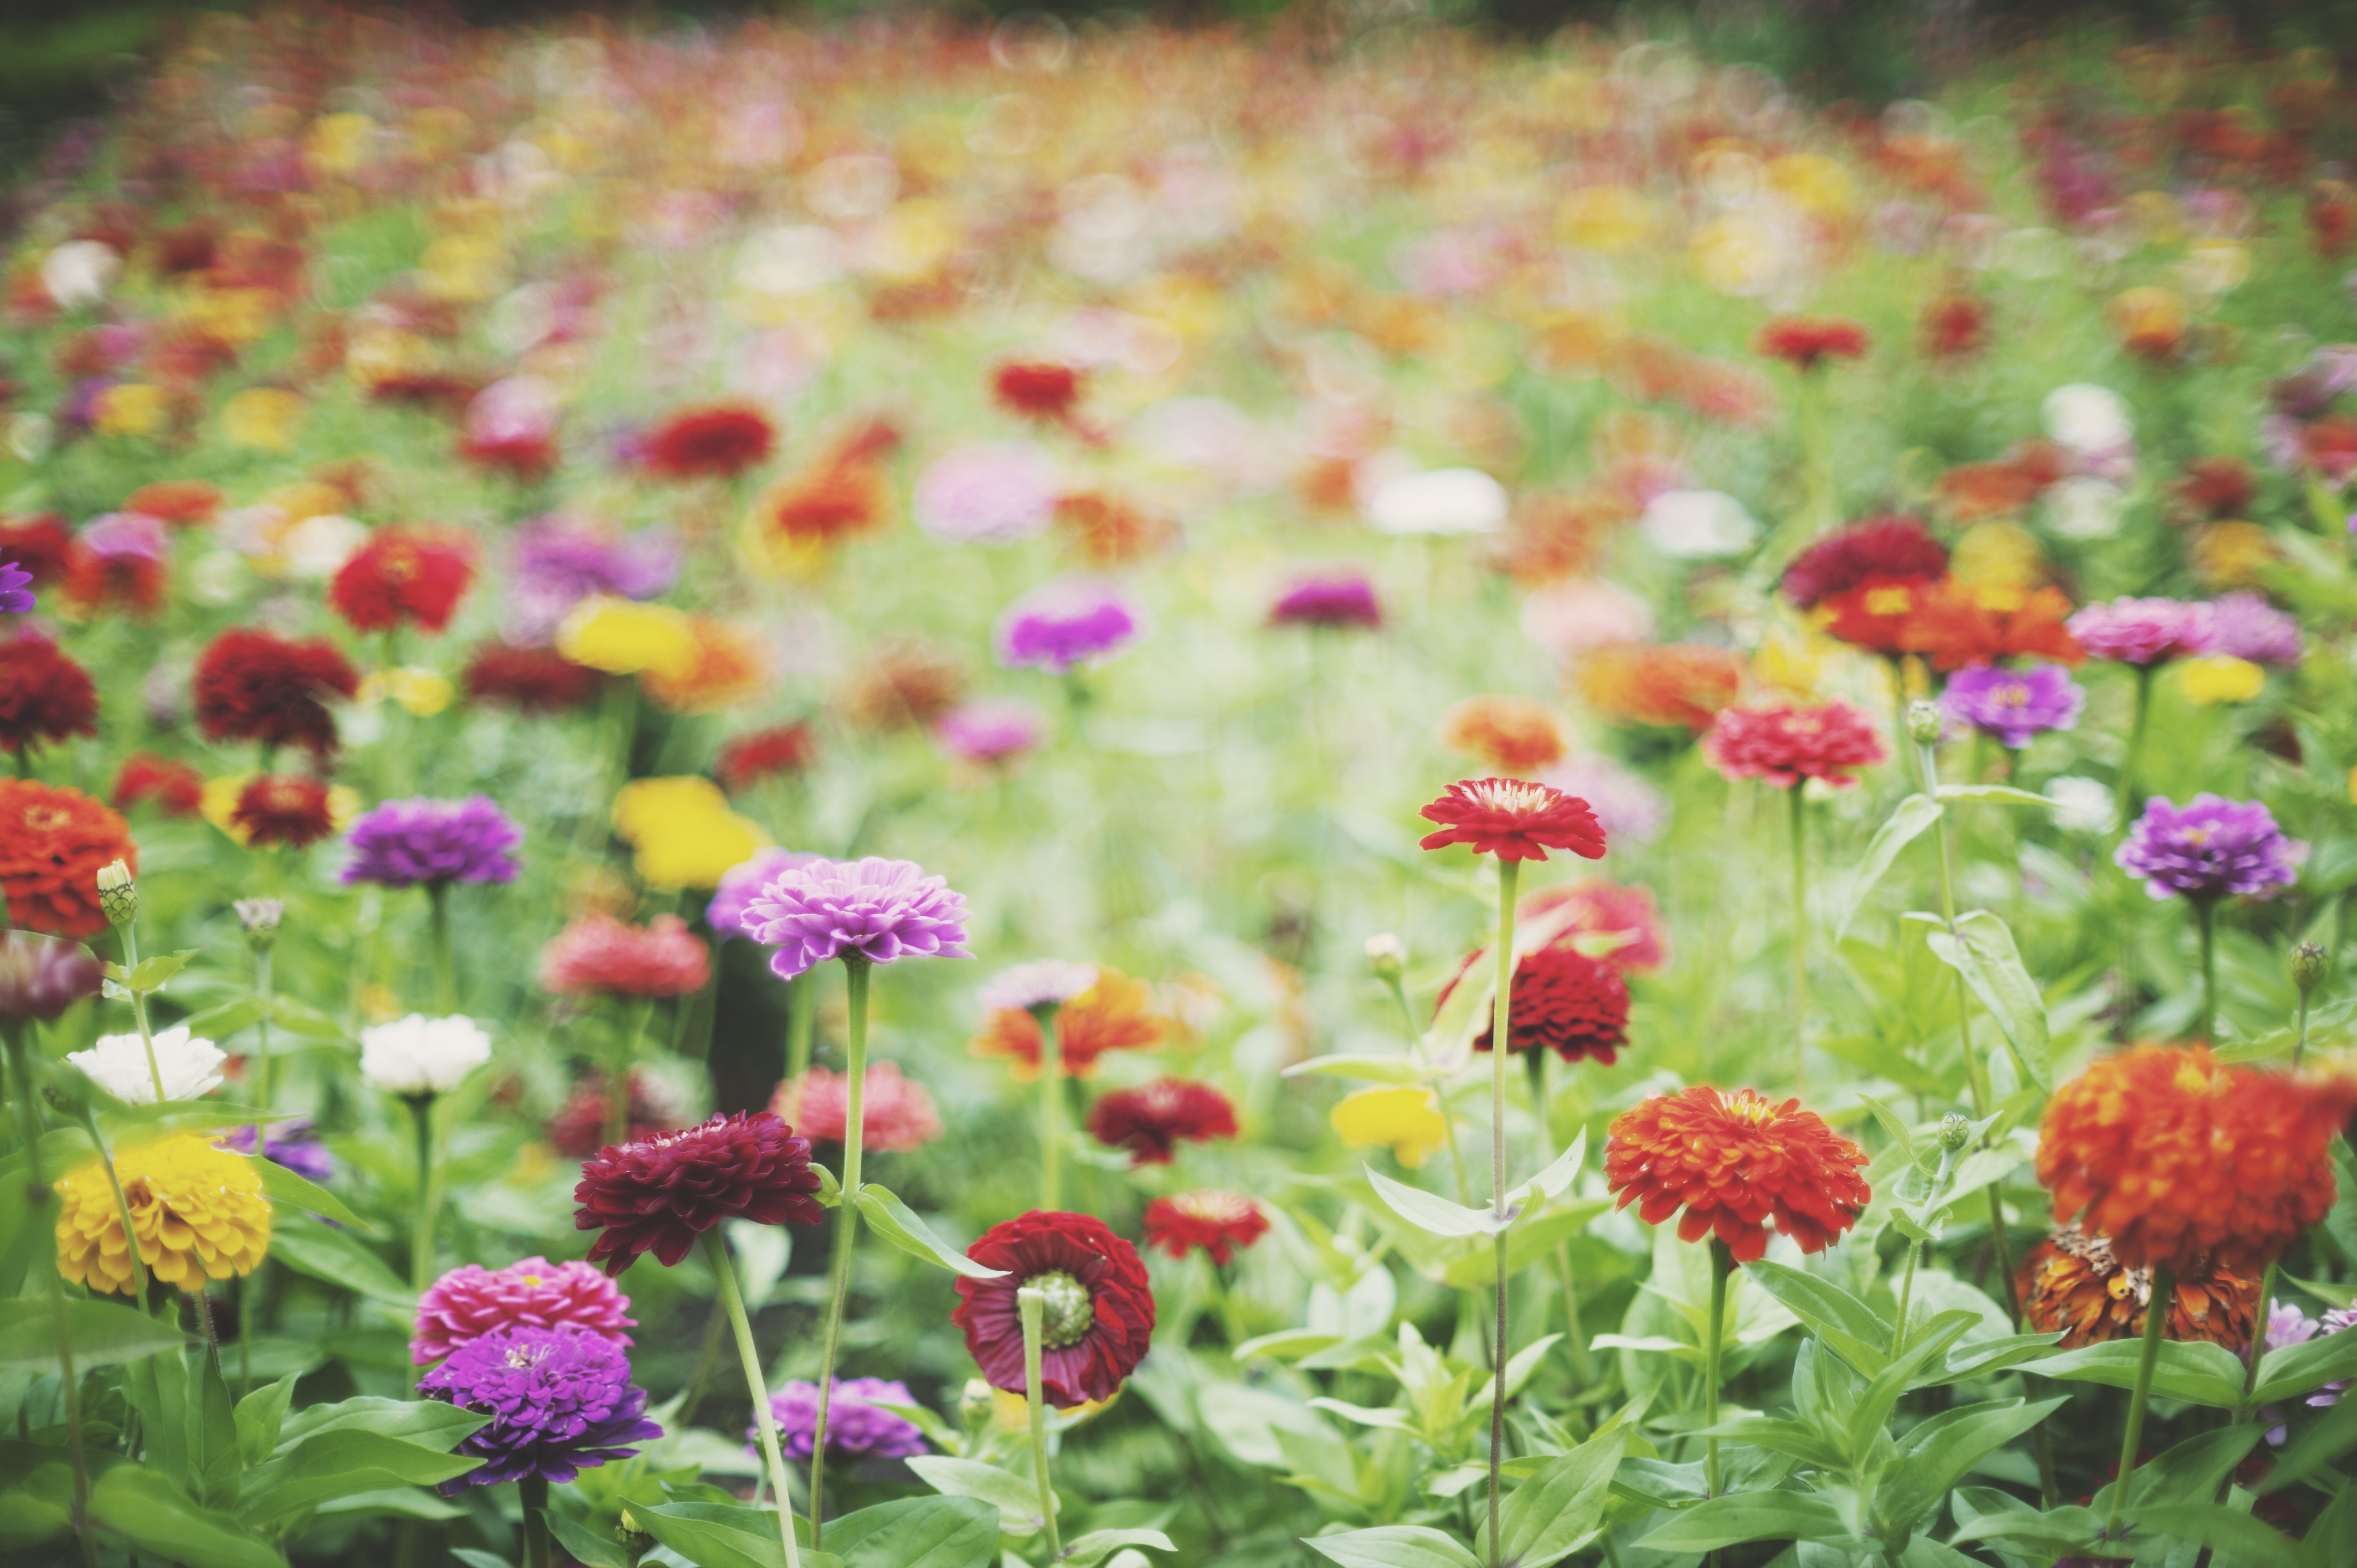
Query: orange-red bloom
602,955
1956,624
284,808
53,840
2072,1284
1116,1014
1516,736
1662,683
1213,1220
720,441
1730,1162
1513,820
177,788
1804,342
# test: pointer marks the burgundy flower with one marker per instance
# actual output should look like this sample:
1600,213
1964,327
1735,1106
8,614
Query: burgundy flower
1514,818
718,443
253,685
44,695
1037,390
1564,1002
659,1194
283,809
1897,548
1150,1121
530,680
1215,1220
770,753
1804,342
577,1130
1099,1306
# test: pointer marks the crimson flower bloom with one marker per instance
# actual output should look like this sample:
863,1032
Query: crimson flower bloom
1730,1161
177,788
765,754
1898,549
1805,342
1786,742
53,842
44,695
1037,390
1514,818
658,1195
1564,1001
578,1128
1218,1222
720,441
1099,1312
257,686
403,575
1150,1121
530,680
283,809
40,543
601,954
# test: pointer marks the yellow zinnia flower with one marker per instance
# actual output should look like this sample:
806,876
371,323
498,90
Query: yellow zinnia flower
198,1210
1406,1119
2220,680
625,639
419,690
693,851
645,804
266,417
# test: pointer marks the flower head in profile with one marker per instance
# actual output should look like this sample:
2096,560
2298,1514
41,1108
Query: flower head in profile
720,441
406,844
896,1115
1786,744
16,589
1099,1306
990,732
191,1065
873,910
417,1054
659,1195
1041,982
2145,632
1565,1001
1518,736
560,1400
857,1427
1733,1161
44,695
1153,1120
1111,1013
257,686
1513,820
1662,685
1215,1222
1335,597
2208,850
1404,1119
291,1146
599,955
198,1213
53,842
1614,921
40,977
2248,628
1626,806
781,751
288,811
2014,705
1065,624
404,576
1806,342
176,788
733,894
468,1302
2071,1284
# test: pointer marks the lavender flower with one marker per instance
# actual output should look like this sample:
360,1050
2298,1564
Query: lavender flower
2334,1322
557,563
854,1426
2014,704
2286,1326
1066,623
989,730
994,492
739,883
402,843
16,589
560,1400
2250,628
2209,849
293,1145
124,535
1334,596
2144,632
874,910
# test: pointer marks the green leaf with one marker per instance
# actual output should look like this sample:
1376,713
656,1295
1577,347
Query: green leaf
1400,1069
591,1548
338,1462
1872,1412
152,973
214,1450
2240,1541
1799,1439
2319,1445
475,1559
1981,951
2187,1369
1431,1212
259,1416
337,1258
299,1017
103,1333
2195,1468
1738,1517
1908,819
1983,1513
1392,1546
720,1535
1551,1183
282,1186
1549,1516
2303,1369
898,1223
220,1022
1099,1544
1938,1453
1390,1418
156,1518
1015,1497
1850,1328
2330,1295
1994,795
431,1423
918,1532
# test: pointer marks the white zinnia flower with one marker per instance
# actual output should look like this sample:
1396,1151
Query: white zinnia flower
1696,524
418,1055
1036,984
1440,500
118,1063
2082,805
79,272
2088,418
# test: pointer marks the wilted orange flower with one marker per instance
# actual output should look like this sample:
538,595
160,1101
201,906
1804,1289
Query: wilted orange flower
730,666
1730,1161
1957,623
1515,735
1663,684
2175,1157
905,684
1116,1014
2072,1284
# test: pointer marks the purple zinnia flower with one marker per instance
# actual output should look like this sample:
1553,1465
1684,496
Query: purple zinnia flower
989,730
402,843
874,910
2335,1321
994,492
557,563
2247,627
1339,597
739,883
292,1145
2144,632
16,589
2014,704
559,1399
132,534
854,1426
1067,622
2209,849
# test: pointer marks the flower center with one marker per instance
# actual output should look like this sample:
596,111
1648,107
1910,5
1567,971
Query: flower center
1513,796
1890,601
47,818
525,1354
2014,696
2196,837
1071,1310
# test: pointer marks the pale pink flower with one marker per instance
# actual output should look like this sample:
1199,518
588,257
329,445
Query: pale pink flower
895,1116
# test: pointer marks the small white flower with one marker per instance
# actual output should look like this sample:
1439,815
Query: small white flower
1440,500
2084,805
318,546
1696,524
2088,418
1036,984
118,1063
2085,508
79,272
418,1055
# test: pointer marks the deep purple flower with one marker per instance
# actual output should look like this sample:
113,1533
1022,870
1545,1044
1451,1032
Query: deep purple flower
2209,849
2014,704
40,977
739,883
402,843
1337,597
560,1400
854,1426
874,909
2247,627
2144,632
292,1145
1067,622
557,563
989,730
16,589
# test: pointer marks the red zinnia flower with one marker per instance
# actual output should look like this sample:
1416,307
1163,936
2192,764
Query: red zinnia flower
578,1128
1894,549
526,458
40,543
44,695
1099,1306
129,580
413,575
720,441
1804,342
2212,489
1215,1220
1575,1005
1662,683
1786,742
1730,1161
1037,390
658,1195
1150,1121
253,685
1514,818
180,502
765,754
177,788
1602,907
600,954
53,840
531,679
1958,624
283,809
1954,324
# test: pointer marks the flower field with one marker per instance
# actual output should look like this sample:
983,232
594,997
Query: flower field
904,794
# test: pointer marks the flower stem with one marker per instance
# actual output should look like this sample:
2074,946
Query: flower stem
122,1205
2155,1315
1799,936
617,1081
445,984
1817,459
537,1553
1722,1264
262,990
2135,752
1906,1298
1902,739
139,1007
38,1197
2299,1046
1501,1037
715,1251
1051,1110
1033,1305
2205,915
846,1224
430,1201
801,1014
2258,1340
1448,1119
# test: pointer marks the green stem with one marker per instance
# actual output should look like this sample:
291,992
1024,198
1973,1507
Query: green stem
1902,742
2300,1047
716,1251
2135,752
446,984
1975,1073
429,1200
1579,1335
122,1205
1033,1306
2258,1341
1799,936
1447,1119
618,1080
1722,1264
2205,920
1816,460
1501,1037
2324,505
1051,1108
801,1014
1906,1298
846,1226
2155,1315
139,1007
708,1354
262,989
537,1551
37,1198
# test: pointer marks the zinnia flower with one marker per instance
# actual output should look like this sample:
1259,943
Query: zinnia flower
40,977
118,1063
530,680
560,1400
557,562
44,695
904,685
1665,684
658,1195
468,1302
1564,1001
1099,1306
1335,597
990,493
2177,1157
2246,627
1406,1119
603,956
404,576
731,665
291,1146
198,1214
16,589
2208,850
874,910
1067,623
579,1129
733,894
1894,549
856,1427
778,752
2014,705
1606,911
721,443
1220,1223
2072,1284
1787,743
1152,1120
1957,623
1113,1013
417,1054
283,809
1513,820
1515,735
1805,342
1042,982
990,731
625,639
402,843
1730,1162
176,788
1037,390
2145,632
896,1115
254,685
53,840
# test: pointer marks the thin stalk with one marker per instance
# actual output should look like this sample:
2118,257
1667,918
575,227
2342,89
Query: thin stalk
1051,1110
732,1301
38,1197
429,1200
1973,1072
802,1015
2258,1341
1033,1305
707,1356
537,1551
2135,752
1906,1298
262,989
1579,1336
446,984
2324,505
1800,937
2156,1314
122,1205
1722,1264
205,1317
139,1007
2205,916
1448,1119
617,1081
1902,740
2300,1047
846,1226
1501,1037
1817,459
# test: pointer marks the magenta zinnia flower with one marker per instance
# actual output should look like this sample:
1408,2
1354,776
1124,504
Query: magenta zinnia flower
1337,597
404,843
16,589
658,1195
2014,705
2145,632
734,894
990,730
2209,849
2247,627
560,1400
854,1427
468,1302
1069,622
876,909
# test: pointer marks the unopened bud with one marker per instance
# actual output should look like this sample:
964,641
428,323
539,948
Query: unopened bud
974,1404
1923,720
118,893
260,917
1387,956
1954,1132
632,1536
2307,965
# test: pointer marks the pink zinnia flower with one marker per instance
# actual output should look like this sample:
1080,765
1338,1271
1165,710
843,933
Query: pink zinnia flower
469,1303
896,1115
600,954
2144,632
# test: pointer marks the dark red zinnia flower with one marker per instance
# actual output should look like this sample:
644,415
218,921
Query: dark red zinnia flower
1893,547
1514,818
403,575
579,1129
1150,1121
1037,390
283,809
1954,326
1574,1005
658,1195
177,788
1099,1306
531,679
1805,342
1218,1222
128,580
257,686
765,754
40,543
44,695
720,441
2212,489
527,460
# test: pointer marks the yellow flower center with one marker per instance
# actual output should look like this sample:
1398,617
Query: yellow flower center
1891,601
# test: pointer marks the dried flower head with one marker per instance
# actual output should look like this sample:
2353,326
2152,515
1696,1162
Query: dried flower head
2071,1284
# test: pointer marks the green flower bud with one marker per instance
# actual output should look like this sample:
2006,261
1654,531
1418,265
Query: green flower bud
1954,1132
1387,956
2307,965
118,893
1923,720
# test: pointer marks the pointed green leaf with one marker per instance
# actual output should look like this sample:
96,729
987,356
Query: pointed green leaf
1016,1496
1431,1212
1850,1328
1740,1517
591,1548
103,1333
337,1258
2187,1369
260,1415
1994,795
1981,951
283,1186
1392,1546
156,1518
220,1022
1400,1068
898,1223
338,1462
1901,828
919,1532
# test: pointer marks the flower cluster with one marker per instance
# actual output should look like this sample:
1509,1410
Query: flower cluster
559,1399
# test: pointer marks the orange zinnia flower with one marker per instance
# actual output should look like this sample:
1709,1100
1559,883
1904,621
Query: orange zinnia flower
1515,735
1116,1014
2071,1284
1662,683
1957,623
2175,1157
1730,1161
731,665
